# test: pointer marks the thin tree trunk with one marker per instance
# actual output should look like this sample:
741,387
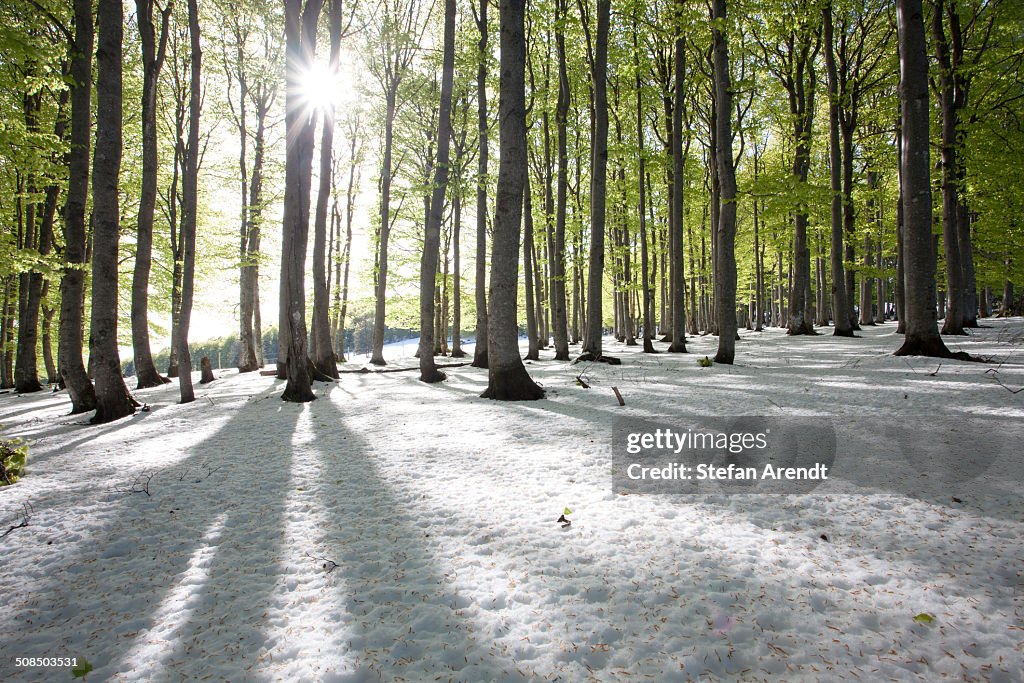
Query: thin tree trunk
152,62
645,283
677,290
841,306
482,325
432,235
558,296
598,183
533,348
321,351
954,318
377,354
190,206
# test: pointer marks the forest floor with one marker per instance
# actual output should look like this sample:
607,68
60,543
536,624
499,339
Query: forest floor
397,531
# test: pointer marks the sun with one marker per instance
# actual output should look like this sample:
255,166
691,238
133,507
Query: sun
318,87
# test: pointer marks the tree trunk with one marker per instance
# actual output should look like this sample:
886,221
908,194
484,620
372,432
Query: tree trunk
507,376
598,183
7,335
954,318
190,207
901,261
677,291
72,284
725,271
922,334
559,322
533,341
377,354
251,343
112,398
321,351
350,201
152,61
482,326
26,374
432,235
841,305
300,37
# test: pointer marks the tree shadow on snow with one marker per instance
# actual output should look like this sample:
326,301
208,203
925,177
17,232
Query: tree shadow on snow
403,615
172,583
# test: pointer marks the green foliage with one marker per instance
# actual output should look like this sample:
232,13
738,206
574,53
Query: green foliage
13,455
82,669
705,362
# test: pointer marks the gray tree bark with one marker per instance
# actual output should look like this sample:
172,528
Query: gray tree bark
112,398
841,308
72,284
300,46
725,251
321,350
432,233
922,334
481,348
598,184
190,206
677,288
506,375
152,62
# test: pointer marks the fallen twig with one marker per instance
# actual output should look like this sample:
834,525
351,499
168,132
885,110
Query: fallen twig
618,395
327,564
26,517
140,485
994,374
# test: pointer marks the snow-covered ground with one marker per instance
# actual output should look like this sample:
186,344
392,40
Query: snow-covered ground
402,532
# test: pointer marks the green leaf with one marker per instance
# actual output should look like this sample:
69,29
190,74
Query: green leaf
82,669
567,511
924,618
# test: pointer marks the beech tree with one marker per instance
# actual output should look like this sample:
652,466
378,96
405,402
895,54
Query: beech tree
922,332
598,182
725,270
72,283
247,68
112,398
321,349
154,49
190,206
401,26
790,52
507,379
432,230
483,140
300,49
840,304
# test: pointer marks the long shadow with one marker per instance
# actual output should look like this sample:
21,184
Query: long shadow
399,600
126,590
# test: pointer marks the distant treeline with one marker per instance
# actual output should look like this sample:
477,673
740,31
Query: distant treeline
223,351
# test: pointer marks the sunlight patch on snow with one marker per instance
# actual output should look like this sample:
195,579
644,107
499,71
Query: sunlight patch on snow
154,646
305,630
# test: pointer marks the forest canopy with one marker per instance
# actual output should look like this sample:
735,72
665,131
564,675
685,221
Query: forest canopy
331,174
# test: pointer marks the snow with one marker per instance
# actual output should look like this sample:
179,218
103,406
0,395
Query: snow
402,532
